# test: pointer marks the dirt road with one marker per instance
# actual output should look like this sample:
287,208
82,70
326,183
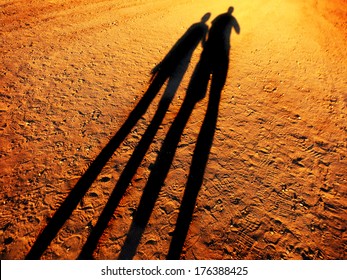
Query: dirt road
275,183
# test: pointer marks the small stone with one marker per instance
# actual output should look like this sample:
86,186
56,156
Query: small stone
269,88
272,237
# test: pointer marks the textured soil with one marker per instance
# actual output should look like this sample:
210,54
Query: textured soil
275,183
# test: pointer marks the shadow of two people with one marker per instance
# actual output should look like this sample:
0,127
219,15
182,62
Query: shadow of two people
172,68
213,64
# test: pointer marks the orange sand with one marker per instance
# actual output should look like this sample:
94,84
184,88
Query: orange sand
275,185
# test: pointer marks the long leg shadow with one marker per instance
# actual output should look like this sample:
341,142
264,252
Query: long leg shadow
124,180
216,54
79,190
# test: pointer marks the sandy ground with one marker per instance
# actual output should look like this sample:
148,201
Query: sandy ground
275,184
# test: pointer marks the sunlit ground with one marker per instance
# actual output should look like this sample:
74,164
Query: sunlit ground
273,184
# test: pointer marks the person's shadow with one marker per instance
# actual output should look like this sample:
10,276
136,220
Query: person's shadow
174,65
172,68
214,60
